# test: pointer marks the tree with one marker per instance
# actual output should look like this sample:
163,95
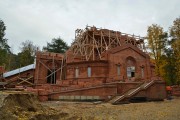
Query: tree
13,62
25,58
57,45
170,67
4,47
28,46
175,44
3,41
27,54
3,57
156,42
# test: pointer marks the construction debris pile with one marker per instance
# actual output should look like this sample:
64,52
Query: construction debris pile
25,106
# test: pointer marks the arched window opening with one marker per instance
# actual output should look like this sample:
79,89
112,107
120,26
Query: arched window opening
131,67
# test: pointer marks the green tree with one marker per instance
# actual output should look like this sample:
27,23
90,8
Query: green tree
4,47
29,46
25,58
3,57
27,54
175,44
3,41
13,62
170,67
157,39
57,45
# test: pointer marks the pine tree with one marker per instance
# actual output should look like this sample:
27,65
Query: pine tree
57,45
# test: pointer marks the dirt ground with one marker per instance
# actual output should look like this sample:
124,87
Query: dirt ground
16,105
25,106
162,110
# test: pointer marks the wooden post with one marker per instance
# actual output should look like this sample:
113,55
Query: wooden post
61,69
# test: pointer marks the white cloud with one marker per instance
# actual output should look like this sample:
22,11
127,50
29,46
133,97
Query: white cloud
42,20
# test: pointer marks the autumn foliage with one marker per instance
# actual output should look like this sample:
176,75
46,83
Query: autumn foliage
164,50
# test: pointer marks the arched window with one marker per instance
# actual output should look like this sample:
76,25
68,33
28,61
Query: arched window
131,66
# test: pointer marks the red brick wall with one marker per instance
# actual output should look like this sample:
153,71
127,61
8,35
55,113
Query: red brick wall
176,90
119,55
44,62
123,87
103,92
155,92
98,69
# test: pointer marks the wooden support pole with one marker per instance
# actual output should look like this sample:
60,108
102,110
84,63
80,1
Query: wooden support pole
61,68
54,69
37,72
93,45
25,80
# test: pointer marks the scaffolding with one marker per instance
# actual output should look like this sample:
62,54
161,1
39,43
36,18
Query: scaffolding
57,62
90,43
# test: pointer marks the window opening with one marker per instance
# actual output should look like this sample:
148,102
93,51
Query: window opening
51,77
89,71
76,72
118,70
131,71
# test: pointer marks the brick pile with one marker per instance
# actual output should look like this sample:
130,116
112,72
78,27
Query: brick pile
176,91
42,92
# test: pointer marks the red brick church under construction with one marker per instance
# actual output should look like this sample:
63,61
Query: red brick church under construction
101,64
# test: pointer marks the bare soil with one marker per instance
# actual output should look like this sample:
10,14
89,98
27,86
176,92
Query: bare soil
25,106
162,110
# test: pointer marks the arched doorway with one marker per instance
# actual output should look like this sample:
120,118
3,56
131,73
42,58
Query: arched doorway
131,67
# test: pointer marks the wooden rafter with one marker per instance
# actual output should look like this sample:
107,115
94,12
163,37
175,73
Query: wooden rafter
25,80
91,42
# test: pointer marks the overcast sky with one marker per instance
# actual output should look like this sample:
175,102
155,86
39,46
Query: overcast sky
42,20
